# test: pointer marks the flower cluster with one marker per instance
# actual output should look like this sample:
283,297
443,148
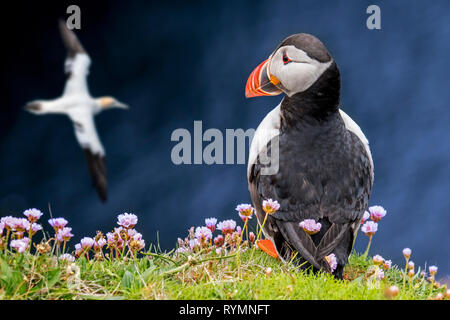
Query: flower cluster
203,238
19,231
381,263
63,234
375,273
375,213
369,228
121,242
20,245
230,237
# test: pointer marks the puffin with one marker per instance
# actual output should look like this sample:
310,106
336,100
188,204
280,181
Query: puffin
77,103
308,155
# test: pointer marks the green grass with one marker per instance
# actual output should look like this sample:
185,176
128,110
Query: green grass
202,276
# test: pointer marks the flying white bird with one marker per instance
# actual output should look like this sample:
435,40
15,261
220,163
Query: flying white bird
81,107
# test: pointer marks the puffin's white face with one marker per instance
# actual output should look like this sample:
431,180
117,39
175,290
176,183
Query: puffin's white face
294,69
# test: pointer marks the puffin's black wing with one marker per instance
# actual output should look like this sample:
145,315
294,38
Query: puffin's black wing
330,185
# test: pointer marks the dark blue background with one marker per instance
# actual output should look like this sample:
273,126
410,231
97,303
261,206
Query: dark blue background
184,61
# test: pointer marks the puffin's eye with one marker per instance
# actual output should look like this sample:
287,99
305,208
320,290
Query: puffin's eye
286,59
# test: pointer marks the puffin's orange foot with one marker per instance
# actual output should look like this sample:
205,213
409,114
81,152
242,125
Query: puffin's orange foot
267,246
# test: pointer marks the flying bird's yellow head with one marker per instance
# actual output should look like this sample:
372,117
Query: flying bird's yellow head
110,102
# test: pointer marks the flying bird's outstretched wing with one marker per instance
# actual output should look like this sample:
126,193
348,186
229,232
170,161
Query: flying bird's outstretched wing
76,64
89,141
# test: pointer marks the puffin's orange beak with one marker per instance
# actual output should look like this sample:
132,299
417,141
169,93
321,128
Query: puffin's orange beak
261,82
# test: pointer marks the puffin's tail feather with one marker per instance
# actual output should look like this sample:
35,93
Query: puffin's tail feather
330,240
300,240
304,244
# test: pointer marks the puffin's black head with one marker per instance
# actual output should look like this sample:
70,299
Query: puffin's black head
295,65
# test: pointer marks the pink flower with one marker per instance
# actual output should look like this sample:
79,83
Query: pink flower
365,216
87,243
131,232
114,240
66,257
433,270
392,291
387,264
203,234
127,220
310,226
140,242
239,230
20,245
380,274
8,222
411,265
35,227
110,238
270,206
244,218
181,250
119,243
137,236
19,234
245,210
407,253
21,225
377,260
33,214
211,223
194,243
251,237
227,226
332,261
377,213
369,228
58,223
99,244
2,226
219,240
64,234
78,250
